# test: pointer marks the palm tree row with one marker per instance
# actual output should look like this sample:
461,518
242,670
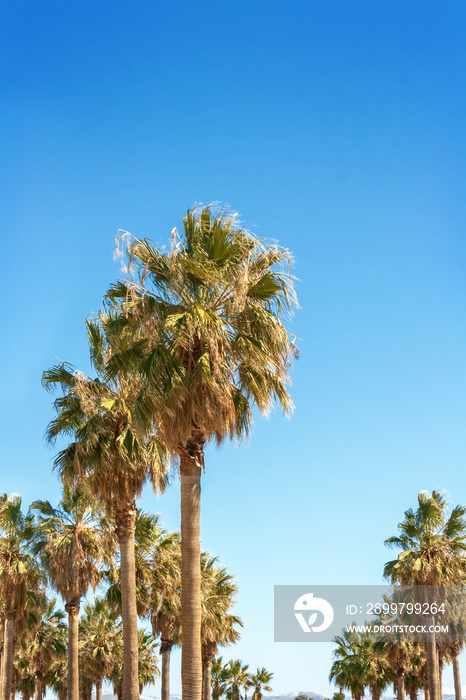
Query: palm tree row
433,555
70,548
363,660
184,349
40,659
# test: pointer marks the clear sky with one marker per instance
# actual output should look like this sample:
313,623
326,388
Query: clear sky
334,127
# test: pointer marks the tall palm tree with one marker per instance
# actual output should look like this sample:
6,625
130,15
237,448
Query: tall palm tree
433,554
115,454
207,319
261,681
73,543
19,574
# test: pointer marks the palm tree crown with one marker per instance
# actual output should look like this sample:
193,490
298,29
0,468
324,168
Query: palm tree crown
19,576
433,545
208,320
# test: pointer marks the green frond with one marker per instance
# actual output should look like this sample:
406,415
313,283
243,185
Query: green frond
59,374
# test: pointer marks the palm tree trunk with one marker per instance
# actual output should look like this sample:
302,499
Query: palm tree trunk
125,521
38,686
401,686
7,665
98,690
72,608
165,651
207,678
456,676
191,461
432,666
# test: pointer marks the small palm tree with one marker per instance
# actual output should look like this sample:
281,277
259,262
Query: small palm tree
24,675
73,542
100,631
45,642
19,575
165,598
147,665
208,335
375,669
347,668
261,681
433,546
237,678
218,625
56,678
219,676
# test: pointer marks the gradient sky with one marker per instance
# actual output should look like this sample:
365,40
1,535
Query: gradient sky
335,128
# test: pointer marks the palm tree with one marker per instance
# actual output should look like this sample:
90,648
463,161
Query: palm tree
209,337
45,642
100,634
27,619
73,542
399,651
19,574
165,598
147,533
157,567
457,631
56,678
219,675
147,665
433,554
114,453
375,669
237,677
261,681
218,625
347,668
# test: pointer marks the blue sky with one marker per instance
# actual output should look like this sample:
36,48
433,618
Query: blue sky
336,129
